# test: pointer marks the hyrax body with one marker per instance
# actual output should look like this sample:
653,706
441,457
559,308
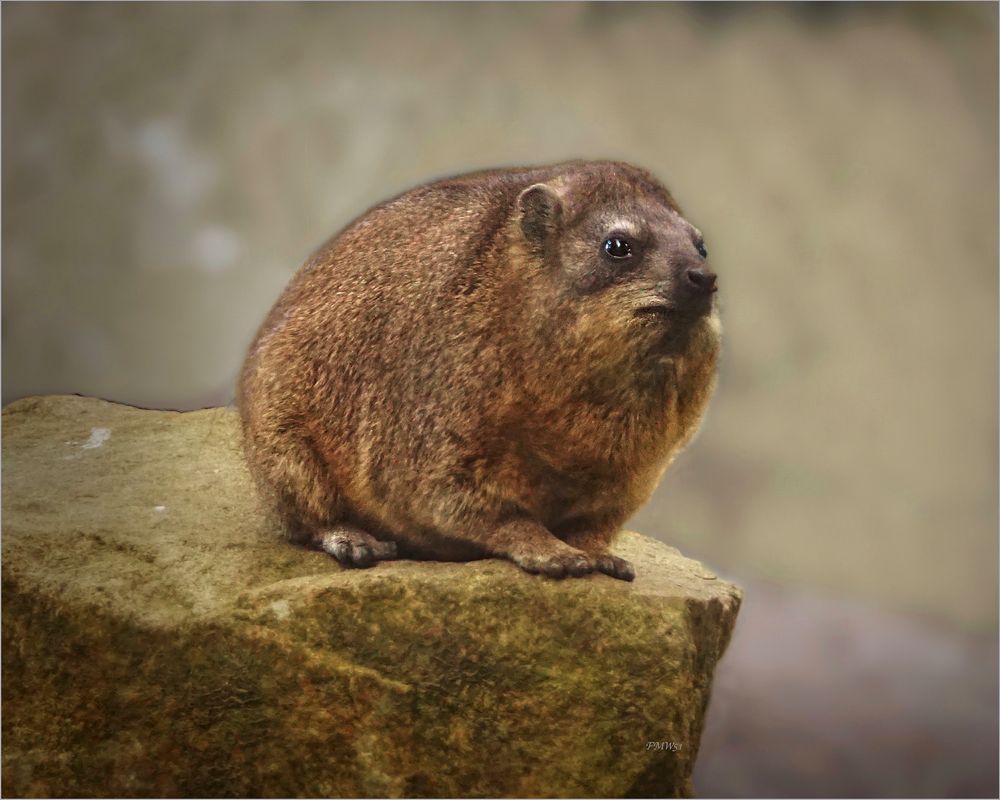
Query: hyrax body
497,364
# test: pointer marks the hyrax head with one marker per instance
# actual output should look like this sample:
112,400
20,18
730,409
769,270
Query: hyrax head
627,265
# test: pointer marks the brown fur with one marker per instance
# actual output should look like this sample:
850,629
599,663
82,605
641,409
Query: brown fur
463,372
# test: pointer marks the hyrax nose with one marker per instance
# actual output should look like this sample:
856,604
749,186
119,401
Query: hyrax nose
700,280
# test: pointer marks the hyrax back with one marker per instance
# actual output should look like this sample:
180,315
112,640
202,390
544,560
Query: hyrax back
498,364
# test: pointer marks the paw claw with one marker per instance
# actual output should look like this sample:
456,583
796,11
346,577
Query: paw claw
339,549
384,550
581,565
615,567
362,555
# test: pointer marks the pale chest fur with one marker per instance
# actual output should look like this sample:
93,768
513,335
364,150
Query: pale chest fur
601,461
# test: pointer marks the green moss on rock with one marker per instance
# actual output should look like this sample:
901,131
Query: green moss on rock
160,639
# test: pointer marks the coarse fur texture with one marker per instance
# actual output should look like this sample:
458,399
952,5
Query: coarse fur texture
466,372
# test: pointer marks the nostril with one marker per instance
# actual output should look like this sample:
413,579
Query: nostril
701,279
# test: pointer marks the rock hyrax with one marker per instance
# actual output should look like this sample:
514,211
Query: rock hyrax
497,364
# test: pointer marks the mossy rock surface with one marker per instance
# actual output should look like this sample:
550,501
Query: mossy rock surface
160,639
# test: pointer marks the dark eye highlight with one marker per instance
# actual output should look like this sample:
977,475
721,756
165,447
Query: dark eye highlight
617,247
700,247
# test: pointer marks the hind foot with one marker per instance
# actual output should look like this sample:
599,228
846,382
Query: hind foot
353,547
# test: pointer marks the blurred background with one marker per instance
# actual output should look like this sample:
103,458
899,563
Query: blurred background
167,167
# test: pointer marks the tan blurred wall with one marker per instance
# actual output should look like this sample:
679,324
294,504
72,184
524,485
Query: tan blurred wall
166,167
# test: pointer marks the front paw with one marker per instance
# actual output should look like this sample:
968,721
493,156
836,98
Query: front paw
573,563
615,567
355,548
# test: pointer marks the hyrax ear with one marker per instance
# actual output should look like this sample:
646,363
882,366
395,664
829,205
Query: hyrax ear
539,209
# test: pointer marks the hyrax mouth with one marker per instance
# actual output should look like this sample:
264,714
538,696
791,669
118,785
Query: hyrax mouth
657,310
683,312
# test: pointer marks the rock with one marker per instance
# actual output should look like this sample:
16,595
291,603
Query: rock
160,639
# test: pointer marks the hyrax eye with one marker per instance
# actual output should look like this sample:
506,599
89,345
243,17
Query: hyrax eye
700,247
617,247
